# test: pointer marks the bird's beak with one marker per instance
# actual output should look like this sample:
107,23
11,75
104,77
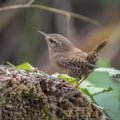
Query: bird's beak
42,33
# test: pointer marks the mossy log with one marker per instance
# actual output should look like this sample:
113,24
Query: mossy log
35,95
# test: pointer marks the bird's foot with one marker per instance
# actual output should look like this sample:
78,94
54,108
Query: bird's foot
80,82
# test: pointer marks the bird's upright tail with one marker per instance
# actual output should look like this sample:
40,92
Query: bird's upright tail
98,48
93,54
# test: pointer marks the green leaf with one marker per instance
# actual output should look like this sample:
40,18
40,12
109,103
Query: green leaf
119,98
109,101
26,66
110,71
103,62
63,76
93,90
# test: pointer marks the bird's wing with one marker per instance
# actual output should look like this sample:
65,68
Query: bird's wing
76,60
81,61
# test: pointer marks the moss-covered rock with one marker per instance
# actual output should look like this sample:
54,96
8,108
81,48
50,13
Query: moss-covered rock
34,95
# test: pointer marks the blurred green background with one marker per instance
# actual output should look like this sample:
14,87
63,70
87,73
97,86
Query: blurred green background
20,42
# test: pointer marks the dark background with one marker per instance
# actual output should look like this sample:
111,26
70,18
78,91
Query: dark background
20,42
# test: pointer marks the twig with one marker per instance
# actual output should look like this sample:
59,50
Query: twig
54,10
30,2
11,65
68,27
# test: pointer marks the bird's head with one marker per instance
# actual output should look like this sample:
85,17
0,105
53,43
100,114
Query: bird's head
57,42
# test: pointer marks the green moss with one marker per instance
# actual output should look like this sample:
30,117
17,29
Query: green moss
19,102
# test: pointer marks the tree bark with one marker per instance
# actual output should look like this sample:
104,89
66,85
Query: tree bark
35,95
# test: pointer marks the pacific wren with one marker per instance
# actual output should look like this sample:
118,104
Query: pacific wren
69,59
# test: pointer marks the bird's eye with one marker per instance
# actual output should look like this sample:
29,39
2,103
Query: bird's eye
52,41
55,42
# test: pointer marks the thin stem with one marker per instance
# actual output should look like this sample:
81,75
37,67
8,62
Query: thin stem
30,2
68,27
54,10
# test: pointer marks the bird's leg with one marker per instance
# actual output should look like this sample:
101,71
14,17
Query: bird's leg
80,81
83,78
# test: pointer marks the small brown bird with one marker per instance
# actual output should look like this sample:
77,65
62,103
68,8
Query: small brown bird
69,59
